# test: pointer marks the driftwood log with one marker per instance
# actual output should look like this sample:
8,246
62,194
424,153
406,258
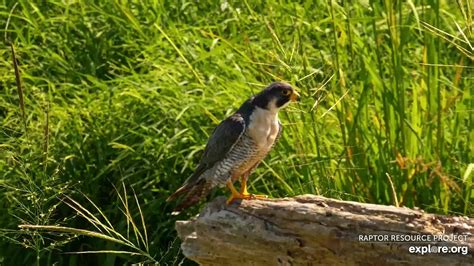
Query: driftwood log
313,230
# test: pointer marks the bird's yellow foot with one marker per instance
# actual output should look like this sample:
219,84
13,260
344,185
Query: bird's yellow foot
245,197
241,195
257,196
243,190
238,196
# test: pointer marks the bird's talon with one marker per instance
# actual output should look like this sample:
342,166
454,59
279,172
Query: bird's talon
259,196
247,196
229,201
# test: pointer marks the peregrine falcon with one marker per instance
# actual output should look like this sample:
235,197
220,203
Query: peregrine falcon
237,145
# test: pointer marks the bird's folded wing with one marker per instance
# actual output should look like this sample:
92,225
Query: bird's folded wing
222,140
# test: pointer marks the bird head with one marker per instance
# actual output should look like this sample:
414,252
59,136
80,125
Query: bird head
276,96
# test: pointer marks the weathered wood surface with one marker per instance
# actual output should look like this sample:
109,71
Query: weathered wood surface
313,230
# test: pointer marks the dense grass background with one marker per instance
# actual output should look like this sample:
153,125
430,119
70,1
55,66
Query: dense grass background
120,96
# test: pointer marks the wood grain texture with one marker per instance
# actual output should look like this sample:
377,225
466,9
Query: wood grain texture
313,230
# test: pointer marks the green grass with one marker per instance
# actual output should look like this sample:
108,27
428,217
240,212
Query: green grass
119,98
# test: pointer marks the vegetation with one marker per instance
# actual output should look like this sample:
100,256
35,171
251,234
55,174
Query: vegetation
117,99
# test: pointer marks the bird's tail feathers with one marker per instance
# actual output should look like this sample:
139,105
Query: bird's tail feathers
194,193
188,184
180,191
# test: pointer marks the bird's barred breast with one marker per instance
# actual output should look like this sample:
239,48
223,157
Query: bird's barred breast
241,159
237,160
250,154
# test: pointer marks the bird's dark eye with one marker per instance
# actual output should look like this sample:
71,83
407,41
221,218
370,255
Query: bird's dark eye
286,92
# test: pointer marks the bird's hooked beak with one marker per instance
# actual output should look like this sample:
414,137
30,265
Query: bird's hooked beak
295,96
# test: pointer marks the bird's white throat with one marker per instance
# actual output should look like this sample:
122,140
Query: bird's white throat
263,127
